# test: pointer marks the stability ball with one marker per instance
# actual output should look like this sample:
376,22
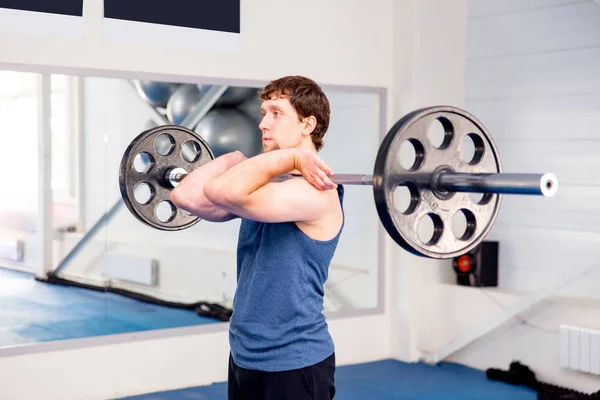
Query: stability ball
229,129
233,96
182,102
251,108
156,94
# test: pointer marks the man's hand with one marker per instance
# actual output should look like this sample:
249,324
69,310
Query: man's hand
314,170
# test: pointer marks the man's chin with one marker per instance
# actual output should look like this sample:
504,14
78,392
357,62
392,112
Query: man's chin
268,148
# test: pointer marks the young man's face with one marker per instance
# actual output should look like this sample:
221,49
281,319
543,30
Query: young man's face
280,126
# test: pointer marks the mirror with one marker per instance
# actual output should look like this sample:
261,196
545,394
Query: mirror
118,275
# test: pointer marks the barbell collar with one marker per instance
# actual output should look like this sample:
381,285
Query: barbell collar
353,179
173,176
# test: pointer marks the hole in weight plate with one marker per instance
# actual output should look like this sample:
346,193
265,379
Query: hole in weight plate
440,133
411,154
481,198
430,229
463,224
165,211
406,198
143,193
164,144
472,149
143,162
190,151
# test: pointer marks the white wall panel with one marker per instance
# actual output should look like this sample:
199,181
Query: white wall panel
545,29
562,117
480,8
532,80
567,72
573,161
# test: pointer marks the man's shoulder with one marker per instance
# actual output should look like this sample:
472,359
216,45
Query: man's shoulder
326,200
330,221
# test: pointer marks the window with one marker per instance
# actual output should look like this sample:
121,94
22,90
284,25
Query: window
19,99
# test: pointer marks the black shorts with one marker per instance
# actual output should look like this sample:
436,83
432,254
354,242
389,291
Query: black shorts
315,382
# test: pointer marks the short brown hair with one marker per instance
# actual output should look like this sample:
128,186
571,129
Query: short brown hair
306,97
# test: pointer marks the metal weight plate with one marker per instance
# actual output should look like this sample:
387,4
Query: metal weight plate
406,200
145,164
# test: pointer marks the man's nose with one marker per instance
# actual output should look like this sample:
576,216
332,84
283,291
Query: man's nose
264,123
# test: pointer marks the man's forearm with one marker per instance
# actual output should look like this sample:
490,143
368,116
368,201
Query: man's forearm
189,193
248,176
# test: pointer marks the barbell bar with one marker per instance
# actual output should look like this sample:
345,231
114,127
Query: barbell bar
439,182
522,184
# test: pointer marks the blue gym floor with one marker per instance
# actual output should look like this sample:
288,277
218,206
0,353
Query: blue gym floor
32,311
387,380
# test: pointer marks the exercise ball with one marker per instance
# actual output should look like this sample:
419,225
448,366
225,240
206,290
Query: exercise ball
182,102
229,129
233,96
156,94
251,108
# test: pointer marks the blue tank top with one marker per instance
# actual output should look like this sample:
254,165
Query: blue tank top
277,322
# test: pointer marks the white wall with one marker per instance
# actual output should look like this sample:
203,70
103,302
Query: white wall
328,58
429,52
413,48
532,79
352,41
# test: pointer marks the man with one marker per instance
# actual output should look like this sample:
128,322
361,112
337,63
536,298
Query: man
280,344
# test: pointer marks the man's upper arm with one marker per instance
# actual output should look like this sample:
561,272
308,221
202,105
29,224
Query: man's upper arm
293,200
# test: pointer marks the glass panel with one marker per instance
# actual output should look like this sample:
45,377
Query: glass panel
120,274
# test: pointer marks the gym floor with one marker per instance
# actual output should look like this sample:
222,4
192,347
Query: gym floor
32,311
387,380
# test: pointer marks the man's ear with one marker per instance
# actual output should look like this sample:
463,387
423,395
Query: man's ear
310,123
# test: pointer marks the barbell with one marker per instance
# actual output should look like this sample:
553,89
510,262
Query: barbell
439,180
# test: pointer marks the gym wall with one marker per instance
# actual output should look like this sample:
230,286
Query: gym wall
430,52
532,80
263,54
358,52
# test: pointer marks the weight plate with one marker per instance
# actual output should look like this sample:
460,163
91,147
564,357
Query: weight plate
144,166
422,202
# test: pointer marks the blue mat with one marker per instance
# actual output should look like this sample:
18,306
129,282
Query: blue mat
387,380
32,311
